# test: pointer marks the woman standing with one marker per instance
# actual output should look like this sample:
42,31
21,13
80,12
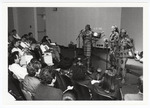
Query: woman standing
87,44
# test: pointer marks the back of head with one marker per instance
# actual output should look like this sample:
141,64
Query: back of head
14,31
78,72
30,33
44,39
47,74
33,67
15,41
12,57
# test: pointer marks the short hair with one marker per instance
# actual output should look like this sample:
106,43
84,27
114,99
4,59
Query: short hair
45,40
88,26
14,30
25,36
47,74
33,67
78,72
30,33
15,41
12,57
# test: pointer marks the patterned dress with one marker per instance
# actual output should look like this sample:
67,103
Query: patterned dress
87,42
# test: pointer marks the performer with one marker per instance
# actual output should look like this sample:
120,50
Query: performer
87,44
126,45
114,37
113,44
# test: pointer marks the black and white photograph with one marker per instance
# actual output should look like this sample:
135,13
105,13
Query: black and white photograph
75,53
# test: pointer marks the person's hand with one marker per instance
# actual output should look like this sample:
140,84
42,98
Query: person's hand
95,81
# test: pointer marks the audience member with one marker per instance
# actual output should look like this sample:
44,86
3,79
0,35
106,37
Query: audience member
15,35
46,90
18,71
30,34
24,41
45,39
30,81
16,44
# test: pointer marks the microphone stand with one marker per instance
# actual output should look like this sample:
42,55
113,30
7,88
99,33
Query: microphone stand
78,38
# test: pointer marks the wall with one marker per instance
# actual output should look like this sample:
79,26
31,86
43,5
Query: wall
132,21
64,25
26,20
10,19
41,23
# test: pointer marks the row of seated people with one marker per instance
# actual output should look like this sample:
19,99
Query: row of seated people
49,82
70,83
22,50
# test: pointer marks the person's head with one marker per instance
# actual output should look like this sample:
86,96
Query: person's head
123,32
87,27
24,38
14,31
33,67
31,40
14,58
47,75
30,34
115,28
45,38
33,45
16,42
78,72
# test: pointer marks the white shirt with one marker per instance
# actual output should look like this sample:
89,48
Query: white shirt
25,59
17,49
24,45
19,71
44,48
16,36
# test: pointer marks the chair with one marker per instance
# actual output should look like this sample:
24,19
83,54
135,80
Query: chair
98,96
83,92
69,95
27,94
14,87
67,80
60,83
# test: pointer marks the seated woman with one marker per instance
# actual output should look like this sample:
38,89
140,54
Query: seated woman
46,90
36,51
16,44
45,39
24,41
14,66
30,81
